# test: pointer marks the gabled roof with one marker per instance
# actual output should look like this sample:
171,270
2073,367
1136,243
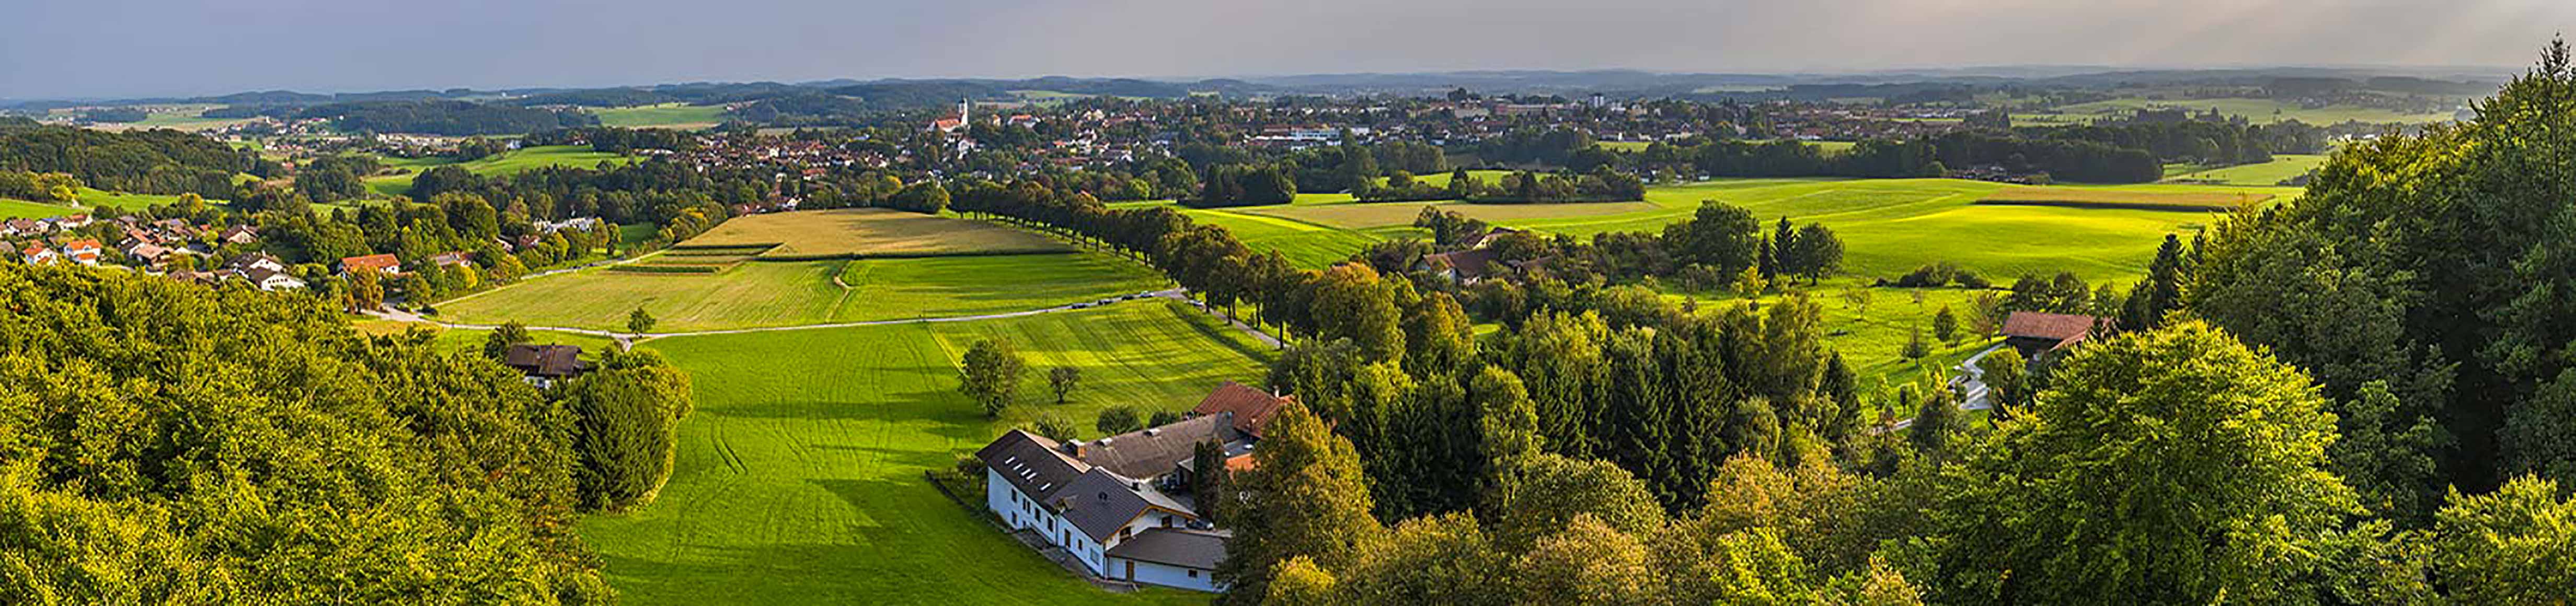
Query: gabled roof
375,262
1152,451
1034,464
1099,503
1470,263
545,360
1252,408
1183,547
2064,329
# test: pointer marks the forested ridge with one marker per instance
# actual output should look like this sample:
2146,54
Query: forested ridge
162,442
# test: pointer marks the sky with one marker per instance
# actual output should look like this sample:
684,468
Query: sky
129,48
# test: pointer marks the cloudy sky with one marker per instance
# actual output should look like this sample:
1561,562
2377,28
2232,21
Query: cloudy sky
77,48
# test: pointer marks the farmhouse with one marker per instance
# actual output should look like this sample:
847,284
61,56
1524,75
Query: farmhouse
1119,505
248,261
239,234
543,365
384,264
1464,266
271,280
37,254
2035,334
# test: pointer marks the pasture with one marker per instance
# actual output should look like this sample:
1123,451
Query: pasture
499,165
2281,168
21,209
1309,245
679,116
798,479
790,293
2086,197
871,232
2259,111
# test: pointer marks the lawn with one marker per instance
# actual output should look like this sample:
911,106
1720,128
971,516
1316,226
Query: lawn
1308,245
799,476
21,209
871,232
1871,334
2260,111
790,293
2281,168
2088,197
92,197
455,340
503,164
669,115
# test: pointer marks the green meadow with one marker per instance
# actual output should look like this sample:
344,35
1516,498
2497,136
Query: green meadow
669,115
21,209
799,477
790,293
2281,168
2256,110
503,164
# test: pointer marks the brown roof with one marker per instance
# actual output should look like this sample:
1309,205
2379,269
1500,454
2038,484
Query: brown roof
1153,451
1470,263
546,360
1183,547
2046,326
375,262
1252,408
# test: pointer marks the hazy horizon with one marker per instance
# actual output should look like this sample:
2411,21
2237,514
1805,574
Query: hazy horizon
181,48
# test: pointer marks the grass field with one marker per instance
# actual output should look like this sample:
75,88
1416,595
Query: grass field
2281,168
799,476
2261,111
2087,197
669,115
871,232
790,293
1309,245
1871,336
504,164
455,340
21,209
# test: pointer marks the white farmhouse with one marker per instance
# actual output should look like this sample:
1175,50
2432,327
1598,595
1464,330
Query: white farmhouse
1117,504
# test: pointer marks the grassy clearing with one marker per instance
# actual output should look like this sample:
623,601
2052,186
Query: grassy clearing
2262,111
1381,214
1308,245
505,164
799,477
872,232
1871,336
679,116
2125,198
2281,168
457,340
21,209
92,197
792,293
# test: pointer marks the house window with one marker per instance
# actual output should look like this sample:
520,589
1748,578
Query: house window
1194,574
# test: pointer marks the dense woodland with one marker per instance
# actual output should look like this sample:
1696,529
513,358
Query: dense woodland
274,454
145,161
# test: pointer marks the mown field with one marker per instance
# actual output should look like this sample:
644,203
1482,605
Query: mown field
455,340
2260,111
669,115
790,293
799,477
2281,168
507,163
21,209
871,232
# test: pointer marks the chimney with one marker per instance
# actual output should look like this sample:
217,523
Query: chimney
1073,447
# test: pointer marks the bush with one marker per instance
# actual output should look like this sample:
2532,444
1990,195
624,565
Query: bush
1162,418
1054,427
1117,420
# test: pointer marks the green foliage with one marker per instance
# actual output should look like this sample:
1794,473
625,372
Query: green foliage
990,375
1945,325
1116,420
498,345
2513,546
272,455
1063,379
1304,498
1054,427
2167,466
629,412
639,322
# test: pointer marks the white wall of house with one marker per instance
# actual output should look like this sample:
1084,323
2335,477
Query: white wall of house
1164,574
1018,511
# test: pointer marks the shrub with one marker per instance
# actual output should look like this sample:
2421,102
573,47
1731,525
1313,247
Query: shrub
625,433
1117,420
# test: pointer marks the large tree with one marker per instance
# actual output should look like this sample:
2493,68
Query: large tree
2173,466
1305,497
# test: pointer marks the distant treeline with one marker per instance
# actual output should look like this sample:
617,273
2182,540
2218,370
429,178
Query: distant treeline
144,161
451,118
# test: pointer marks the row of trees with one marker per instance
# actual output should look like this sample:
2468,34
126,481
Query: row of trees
156,161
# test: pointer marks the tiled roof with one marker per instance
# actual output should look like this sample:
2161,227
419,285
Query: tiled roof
1152,451
1187,548
1252,408
2046,326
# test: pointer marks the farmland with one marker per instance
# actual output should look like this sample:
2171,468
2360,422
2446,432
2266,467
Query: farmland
799,476
507,163
789,293
1889,226
21,209
2260,111
2281,168
668,115
870,232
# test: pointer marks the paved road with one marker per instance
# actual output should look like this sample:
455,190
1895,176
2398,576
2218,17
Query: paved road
1971,385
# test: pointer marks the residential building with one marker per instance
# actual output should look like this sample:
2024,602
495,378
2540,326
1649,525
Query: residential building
544,365
1120,505
248,261
2036,334
385,264
38,254
271,280
85,252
